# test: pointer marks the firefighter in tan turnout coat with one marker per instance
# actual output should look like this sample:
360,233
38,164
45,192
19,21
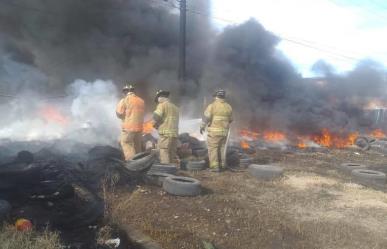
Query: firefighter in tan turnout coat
166,121
217,118
131,110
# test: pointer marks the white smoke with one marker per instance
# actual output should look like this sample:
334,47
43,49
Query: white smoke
86,115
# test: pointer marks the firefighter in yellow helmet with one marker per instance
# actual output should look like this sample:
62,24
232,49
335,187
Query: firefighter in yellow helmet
217,118
131,110
166,121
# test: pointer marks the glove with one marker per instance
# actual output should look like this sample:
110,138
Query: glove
156,126
202,129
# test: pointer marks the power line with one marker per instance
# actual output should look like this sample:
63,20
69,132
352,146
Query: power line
342,56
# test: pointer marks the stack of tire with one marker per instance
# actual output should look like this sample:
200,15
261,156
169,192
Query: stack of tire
163,175
360,174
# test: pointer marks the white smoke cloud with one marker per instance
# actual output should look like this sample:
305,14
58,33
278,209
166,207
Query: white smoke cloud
86,115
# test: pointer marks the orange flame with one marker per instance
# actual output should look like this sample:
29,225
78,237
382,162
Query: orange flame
50,114
302,145
244,145
249,134
274,136
326,139
302,142
378,133
148,127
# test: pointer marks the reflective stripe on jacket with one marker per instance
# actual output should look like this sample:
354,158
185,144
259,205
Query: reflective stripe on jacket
219,115
169,114
131,110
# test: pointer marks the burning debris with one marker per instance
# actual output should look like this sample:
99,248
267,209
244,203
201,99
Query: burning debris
325,138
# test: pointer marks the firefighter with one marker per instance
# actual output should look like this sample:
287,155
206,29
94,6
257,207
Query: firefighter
131,110
217,118
166,121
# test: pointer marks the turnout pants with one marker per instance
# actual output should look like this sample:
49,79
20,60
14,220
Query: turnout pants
216,147
168,149
131,143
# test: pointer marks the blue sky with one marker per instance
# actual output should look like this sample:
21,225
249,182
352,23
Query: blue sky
343,31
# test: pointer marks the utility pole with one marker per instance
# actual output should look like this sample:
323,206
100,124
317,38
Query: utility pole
182,41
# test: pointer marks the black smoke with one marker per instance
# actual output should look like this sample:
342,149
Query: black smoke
46,45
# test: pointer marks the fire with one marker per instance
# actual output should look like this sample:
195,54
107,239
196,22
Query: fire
302,145
328,139
302,142
274,136
249,134
148,127
378,133
50,114
244,144
325,138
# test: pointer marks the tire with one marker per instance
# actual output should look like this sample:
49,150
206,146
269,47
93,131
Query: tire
182,186
348,167
104,152
363,143
140,162
232,158
200,153
196,165
24,156
163,168
156,178
5,210
265,172
370,178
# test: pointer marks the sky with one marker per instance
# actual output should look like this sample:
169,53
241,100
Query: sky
341,32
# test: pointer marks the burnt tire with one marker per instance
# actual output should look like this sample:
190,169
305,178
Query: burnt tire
5,210
265,172
196,165
369,178
156,178
85,209
163,168
24,156
232,158
182,186
363,143
104,152
349,167
200,153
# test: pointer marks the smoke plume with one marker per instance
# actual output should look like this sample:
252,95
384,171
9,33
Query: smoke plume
46,46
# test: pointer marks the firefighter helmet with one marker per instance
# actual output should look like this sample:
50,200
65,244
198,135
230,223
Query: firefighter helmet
128,88
161,93
220,93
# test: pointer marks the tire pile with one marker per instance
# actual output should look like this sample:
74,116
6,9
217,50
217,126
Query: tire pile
58,190
364,176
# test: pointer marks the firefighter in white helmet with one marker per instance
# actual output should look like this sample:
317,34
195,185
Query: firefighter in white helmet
131,110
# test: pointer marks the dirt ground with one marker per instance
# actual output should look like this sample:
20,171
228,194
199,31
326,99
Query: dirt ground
312,206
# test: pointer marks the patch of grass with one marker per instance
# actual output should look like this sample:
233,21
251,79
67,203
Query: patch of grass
10,238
